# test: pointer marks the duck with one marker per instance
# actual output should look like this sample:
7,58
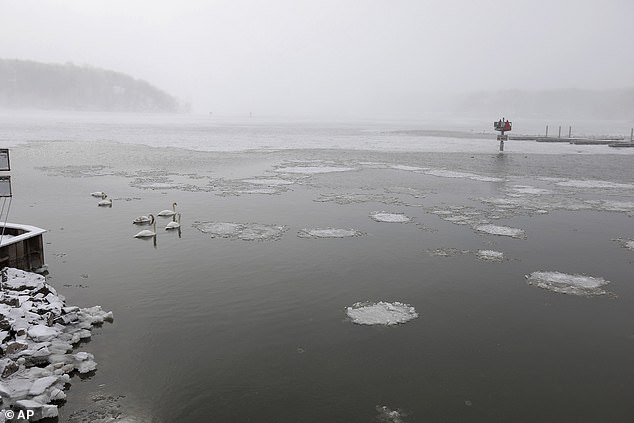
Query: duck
146,233
168,212
174,224
106,202
98,194
142,220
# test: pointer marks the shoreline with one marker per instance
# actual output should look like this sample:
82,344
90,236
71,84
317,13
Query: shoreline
39,334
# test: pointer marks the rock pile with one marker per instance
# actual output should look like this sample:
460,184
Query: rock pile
37,334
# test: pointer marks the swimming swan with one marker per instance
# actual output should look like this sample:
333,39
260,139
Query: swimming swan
174,224
106,202
98,194
142,220
168,212
146,233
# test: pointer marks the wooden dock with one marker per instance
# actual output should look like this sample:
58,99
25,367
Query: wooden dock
21,246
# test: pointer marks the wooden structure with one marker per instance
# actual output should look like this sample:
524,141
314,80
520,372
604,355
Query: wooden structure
22,247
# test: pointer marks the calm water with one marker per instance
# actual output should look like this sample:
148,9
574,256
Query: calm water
227,330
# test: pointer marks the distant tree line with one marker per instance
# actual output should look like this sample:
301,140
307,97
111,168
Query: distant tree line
27,84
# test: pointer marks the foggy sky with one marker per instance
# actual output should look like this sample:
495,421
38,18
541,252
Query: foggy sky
326,57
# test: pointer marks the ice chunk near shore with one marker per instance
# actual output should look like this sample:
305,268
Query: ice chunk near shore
586,286
381,313
328,233
500,230
38,341
625,243
381,216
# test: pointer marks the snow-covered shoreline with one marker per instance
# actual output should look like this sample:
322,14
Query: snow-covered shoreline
38,333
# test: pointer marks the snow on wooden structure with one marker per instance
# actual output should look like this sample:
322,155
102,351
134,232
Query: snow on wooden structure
22,247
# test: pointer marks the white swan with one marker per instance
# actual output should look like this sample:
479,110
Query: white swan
146,233
106,202
168,212
98,194
174,224
142,220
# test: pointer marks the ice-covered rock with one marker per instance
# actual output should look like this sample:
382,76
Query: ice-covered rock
382,216
500,230
381,313
582,285
37,331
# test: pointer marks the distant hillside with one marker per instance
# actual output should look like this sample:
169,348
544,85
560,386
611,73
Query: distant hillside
565,103
26,84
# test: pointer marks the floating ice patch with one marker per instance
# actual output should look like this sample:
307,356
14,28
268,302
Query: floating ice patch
564,283
381,313
529,190
452,174
500,230
589,183
268,182
625,243
328,233
389,416
616,206
242,231
77,171
311,170
408,168
490,255
353,198
446,252
389,217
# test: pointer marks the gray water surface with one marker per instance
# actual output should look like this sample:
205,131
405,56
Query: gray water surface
226,330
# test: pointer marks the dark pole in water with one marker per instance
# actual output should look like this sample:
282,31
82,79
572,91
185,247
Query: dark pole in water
559,136
546,131
631,134
569,131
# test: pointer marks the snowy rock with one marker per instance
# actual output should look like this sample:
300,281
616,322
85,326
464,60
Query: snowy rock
37,331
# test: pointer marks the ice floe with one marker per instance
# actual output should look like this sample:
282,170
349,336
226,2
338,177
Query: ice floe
242,231
625,243
529,190
500,230
268,181
593,184
582,285
381,216
354,198
490,255
389,416
312,170
38,336
381,313
443,173
408,168
328,233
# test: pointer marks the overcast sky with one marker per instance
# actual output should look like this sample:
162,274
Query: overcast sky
311,57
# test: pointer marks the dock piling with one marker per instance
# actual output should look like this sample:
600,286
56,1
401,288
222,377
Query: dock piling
570,131
546,131
559,136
